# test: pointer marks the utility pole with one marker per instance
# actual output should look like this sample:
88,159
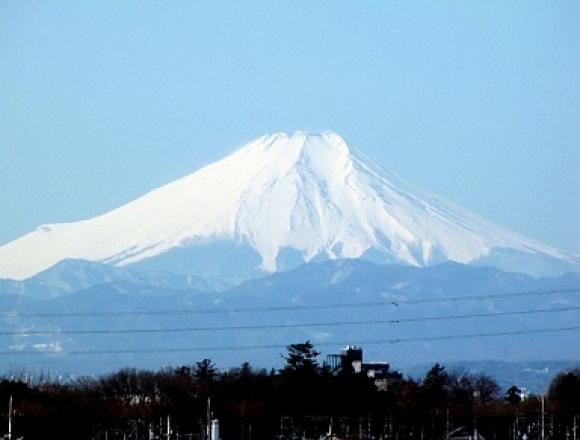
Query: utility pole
543,417
517,425
10,418
242,424
281,428
208,418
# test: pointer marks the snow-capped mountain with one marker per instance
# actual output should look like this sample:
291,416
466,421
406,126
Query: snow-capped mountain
283,196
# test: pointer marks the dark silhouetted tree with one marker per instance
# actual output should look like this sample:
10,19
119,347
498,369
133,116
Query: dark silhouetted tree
513,395
301,358
435,387
486,389
564,392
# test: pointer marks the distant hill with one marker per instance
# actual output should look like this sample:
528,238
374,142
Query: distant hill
400,314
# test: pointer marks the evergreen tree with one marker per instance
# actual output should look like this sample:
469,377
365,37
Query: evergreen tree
513,395
435,386
301,358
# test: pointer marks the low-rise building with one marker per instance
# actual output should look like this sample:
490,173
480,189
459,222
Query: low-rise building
350,360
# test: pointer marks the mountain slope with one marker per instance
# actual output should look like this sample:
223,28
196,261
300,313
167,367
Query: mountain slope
307,194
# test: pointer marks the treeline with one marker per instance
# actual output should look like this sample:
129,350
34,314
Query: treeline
302,400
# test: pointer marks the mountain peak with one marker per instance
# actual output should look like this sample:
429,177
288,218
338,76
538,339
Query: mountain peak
303,143
298,192
305,134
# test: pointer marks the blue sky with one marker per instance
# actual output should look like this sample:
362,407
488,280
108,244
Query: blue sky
476,101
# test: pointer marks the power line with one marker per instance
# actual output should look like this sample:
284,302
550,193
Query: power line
279,326
476,335
278,346
395,302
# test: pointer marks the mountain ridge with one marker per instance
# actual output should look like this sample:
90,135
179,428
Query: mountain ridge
330,303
